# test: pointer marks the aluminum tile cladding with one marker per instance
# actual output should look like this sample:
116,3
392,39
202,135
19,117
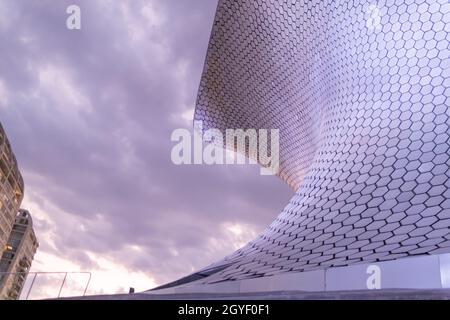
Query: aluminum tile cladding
360,93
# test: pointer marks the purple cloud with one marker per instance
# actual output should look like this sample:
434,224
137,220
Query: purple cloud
89,114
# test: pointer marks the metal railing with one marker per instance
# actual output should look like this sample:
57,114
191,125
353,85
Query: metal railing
35,274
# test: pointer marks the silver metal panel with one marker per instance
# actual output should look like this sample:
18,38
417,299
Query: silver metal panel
360,93
444,261
414,273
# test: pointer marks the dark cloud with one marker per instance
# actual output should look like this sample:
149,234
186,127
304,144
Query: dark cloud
90,114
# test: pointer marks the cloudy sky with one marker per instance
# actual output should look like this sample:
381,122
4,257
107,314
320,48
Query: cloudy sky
89,114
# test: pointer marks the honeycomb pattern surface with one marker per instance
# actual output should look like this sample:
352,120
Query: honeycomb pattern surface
360,91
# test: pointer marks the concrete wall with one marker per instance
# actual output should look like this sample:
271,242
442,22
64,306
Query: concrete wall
424,272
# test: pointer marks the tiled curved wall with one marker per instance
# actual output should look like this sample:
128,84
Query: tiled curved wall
360,91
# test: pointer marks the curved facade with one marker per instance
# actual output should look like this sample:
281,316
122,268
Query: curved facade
16,260
11,189
360,92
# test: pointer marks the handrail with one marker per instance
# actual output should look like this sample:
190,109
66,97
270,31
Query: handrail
56,272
